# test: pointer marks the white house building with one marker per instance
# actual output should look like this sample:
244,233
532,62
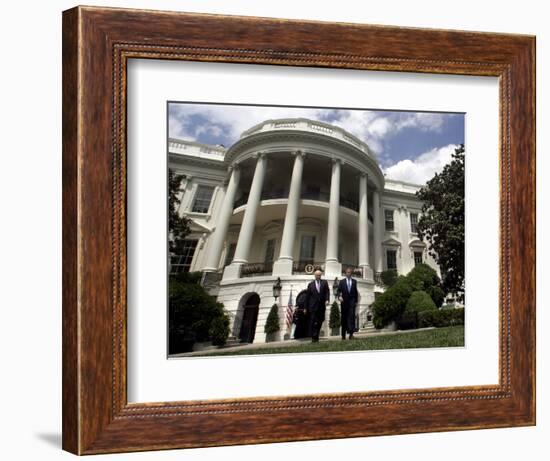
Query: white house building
289,196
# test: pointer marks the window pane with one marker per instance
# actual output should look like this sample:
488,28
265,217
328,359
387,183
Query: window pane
307,248
414,222
417,257
203,198
230,254
269,251
391,259
388,214
182,262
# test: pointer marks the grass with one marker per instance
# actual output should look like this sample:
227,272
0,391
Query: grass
438,337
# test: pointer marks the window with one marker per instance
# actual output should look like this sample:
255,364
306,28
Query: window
269,251
203,197
182,262
414,222
391,259
230,253
417,258
307,248
388,215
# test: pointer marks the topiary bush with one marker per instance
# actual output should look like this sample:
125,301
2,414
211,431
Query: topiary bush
441,318
391,304
272,323
219,330
335,320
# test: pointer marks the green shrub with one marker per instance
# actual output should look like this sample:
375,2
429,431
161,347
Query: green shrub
335,320
441,318
272,323
437,294
187,277
219,330
422,277
191,308
419,301
391,304
388,277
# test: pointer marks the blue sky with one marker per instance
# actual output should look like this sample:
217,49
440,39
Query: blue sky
410,146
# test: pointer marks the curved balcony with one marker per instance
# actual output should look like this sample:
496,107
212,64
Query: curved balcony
318,196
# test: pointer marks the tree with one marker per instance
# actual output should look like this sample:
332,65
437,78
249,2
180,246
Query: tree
191,308
178,226
442,221
388,277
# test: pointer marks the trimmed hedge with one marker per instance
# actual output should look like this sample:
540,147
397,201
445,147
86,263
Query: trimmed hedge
391,304
418,302
441,318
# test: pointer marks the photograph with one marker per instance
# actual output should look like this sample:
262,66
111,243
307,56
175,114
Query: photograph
313,229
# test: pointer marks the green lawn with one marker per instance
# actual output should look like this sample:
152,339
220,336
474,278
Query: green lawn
439,337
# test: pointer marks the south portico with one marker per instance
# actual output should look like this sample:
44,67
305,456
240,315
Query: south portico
293,195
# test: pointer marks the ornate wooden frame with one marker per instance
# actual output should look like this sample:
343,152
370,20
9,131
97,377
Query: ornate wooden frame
97,43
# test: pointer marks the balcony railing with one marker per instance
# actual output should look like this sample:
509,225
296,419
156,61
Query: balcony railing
252,269
307,195
307,267
357,270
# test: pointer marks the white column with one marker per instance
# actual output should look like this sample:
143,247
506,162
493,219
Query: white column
363,230
377,225
224,215
283,265
249,221
333,268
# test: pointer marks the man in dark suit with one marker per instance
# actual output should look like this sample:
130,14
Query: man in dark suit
317,298
348,300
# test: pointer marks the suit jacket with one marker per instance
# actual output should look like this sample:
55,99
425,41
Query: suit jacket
349,296
316,300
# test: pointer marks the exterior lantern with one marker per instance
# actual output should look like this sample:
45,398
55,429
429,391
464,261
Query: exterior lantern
277,288
335,288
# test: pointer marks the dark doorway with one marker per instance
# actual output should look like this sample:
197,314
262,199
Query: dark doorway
250,318
301,318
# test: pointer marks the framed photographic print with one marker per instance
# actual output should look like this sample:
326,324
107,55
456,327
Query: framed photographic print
281,230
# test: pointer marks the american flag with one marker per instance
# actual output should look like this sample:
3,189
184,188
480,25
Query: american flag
289,309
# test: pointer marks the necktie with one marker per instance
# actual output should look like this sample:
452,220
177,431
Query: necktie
349,284
317,284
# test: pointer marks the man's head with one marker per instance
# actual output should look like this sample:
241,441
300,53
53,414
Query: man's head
349,272
318,274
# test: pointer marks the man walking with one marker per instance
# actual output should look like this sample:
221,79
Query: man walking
348,301
317,298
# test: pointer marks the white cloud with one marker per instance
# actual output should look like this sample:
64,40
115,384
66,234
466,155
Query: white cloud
423,168
228,122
